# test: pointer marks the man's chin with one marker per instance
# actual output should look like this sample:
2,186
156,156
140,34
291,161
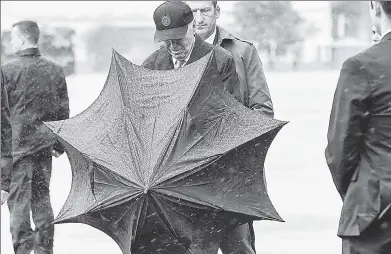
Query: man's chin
202,33
179,57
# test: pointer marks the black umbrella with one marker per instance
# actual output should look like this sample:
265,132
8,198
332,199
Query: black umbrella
166,161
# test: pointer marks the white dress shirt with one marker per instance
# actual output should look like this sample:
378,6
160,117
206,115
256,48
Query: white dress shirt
211,38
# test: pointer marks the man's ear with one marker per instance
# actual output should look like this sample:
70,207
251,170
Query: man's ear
217,10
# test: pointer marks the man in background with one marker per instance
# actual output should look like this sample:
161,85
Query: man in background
37,92
359,143
253,91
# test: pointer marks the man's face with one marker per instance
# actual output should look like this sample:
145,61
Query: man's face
16,40
180,48
205,16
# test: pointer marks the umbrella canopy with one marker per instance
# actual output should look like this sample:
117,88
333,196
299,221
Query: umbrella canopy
166,161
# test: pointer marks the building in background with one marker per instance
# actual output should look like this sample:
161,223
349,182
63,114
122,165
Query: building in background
343,29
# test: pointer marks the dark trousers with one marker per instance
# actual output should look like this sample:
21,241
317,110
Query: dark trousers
29,191
375,240
241,240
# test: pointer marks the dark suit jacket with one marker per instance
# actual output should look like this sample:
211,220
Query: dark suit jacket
359,138
162,60
37,92
253,89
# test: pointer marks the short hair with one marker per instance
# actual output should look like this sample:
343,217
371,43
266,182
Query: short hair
29,30
386,5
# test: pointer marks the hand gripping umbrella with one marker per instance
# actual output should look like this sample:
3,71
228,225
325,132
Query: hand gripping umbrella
165,161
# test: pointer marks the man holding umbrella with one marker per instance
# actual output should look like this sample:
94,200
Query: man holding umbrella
181,46
175,27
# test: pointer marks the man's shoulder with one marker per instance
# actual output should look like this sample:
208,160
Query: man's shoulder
151,59
50,62
10,64
222,52
10,67
20,62
237,43
368,57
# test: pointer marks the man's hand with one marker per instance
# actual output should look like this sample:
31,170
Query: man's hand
4,196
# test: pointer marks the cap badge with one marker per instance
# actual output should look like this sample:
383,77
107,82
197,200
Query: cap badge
166,21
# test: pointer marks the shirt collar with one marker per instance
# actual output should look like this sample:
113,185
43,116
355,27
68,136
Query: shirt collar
29,52
212,37
188,56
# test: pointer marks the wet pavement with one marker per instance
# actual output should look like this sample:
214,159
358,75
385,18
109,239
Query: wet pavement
298,180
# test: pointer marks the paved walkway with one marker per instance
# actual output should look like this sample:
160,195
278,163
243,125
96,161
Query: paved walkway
299,183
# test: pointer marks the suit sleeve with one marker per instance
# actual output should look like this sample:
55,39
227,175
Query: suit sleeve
259,94
63,112
347,124
6,139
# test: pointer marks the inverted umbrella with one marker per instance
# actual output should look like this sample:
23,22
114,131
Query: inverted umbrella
166,161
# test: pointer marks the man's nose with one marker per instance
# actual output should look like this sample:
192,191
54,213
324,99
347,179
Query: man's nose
198,17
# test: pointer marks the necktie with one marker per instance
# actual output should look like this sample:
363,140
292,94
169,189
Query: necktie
178,63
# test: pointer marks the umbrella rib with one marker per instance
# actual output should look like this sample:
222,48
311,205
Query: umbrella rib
167,146
163,216
141,218
112,204
187,150
122,216
125,110
133,145
195,89
190,185
150,152
113,185
203,166
102,168
197,203
123,159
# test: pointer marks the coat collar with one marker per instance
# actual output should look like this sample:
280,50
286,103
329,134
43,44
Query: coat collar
386,37
199,49
222,34
29,52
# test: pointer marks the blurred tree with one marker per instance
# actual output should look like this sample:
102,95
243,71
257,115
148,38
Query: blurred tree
273,25
350,20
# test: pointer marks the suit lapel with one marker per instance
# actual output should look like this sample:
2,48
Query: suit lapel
164,60
200,50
